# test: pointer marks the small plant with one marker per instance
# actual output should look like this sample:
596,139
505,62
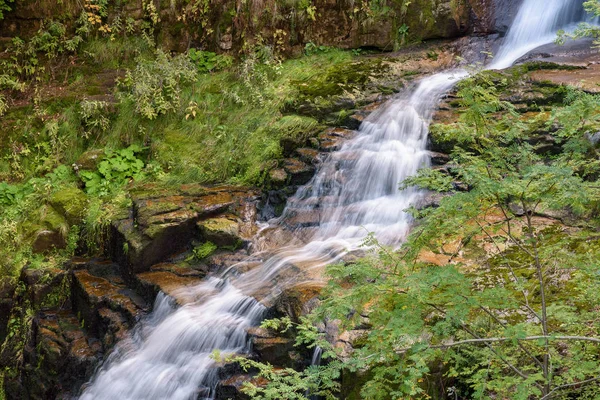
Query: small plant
402,34
155,86
117,168
310,49
93,117
207,61
204,250
4,6
432,55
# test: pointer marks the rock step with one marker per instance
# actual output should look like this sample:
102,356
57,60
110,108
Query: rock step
98,287
60,352
172,284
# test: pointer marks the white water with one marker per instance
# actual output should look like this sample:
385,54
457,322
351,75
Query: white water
354,192
535,25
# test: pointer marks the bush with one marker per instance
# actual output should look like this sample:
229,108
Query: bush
207,61
155,86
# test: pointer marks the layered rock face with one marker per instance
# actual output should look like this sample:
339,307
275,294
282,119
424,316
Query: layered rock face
288,26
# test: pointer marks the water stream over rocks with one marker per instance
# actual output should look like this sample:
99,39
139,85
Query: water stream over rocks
355,191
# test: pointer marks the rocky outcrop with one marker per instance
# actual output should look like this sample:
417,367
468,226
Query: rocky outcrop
164,222
288,26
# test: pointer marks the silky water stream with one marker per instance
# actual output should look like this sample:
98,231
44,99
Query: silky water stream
354,192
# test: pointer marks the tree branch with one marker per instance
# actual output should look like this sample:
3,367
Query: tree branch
527,338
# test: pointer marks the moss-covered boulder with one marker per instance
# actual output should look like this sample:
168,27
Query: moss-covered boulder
70,203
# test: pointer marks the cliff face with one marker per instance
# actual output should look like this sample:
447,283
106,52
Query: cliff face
230,25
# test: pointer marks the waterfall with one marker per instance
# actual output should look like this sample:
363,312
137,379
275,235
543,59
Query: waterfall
535,25
355,191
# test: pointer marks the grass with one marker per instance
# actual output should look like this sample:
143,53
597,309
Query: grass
227,127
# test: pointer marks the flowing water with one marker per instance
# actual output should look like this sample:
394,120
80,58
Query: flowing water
535,25
354,192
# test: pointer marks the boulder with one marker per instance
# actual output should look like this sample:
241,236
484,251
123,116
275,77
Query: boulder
70,203
46,240
89,160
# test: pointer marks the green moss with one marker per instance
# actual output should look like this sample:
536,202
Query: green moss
71,203
340,79
204,250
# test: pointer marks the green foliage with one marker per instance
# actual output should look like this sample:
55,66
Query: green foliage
207,61
114,171
93,117
12,194
154,86
311,49
50,41
204,250
5,6
584,29
315,381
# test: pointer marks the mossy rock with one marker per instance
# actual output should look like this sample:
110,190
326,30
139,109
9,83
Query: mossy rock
295,131
222,231
70,203
89,160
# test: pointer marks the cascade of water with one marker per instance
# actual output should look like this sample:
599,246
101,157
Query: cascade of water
316,357
355,191
535,25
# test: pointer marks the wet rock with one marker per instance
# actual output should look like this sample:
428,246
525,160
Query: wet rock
57,357
298,300
308,155
92,293
153,282
274,350
298,171
231,388
439,158
431,200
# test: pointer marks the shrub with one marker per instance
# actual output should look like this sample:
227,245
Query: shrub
155,86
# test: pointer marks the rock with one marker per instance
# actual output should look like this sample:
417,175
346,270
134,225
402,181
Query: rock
439,158
308,155
7,289
163,222
299,172
153,282
223,231
46,240
230,389
274,350
89,160
278,176
70,203
431,199
226,42
298,300
92,293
